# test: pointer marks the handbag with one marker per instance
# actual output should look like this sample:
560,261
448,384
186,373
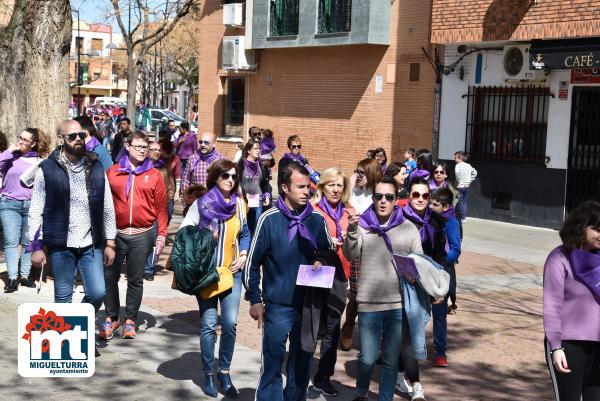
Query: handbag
225,283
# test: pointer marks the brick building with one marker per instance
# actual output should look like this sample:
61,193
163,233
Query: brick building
521,95
347,75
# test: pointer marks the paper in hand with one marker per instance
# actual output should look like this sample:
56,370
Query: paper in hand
322,277
406,267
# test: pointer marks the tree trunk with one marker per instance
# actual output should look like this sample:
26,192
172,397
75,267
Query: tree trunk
34,60
133,71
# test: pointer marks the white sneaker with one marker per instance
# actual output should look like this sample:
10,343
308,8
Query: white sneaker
418,394
402,385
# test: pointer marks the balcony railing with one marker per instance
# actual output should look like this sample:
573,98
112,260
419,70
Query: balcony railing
284,17
335,16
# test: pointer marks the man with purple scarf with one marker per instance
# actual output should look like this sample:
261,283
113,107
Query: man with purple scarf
287,236
196,169
92,144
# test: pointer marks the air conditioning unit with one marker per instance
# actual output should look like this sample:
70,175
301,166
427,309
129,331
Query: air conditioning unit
233,14
515,63
235,56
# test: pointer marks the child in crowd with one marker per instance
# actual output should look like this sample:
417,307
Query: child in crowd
465,174
410,162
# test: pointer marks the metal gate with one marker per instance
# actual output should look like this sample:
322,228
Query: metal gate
583,173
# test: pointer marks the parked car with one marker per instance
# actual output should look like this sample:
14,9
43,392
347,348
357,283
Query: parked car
111,101
159,117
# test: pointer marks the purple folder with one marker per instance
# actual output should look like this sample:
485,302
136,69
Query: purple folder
405,266
322,277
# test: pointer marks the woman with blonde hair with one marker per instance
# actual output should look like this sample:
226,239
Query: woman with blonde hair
16,164
331,200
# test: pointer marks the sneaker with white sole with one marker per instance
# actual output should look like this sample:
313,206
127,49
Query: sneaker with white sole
402,385
418,394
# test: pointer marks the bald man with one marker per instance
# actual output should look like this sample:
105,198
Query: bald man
196,169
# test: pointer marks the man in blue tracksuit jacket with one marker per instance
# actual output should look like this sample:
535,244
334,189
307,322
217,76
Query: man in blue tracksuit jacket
286,237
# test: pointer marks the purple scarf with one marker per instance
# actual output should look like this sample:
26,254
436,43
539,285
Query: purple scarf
450,213
586,270
209,157
369,221
17,155
433,185
213,207
296,225
336,215
383,167
297,158
253,168
418,174
92,144
125,166
160,163
427,231
267,145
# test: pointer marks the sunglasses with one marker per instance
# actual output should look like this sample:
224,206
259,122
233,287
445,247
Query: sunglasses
417,195
201,142
74,135
296,146
388,197
360,172
226,176
439,172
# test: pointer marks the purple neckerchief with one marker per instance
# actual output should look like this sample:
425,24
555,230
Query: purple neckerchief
212,206
125,166
267,145
336,215
383,167
209,157
297,158
433,185
418,174
17,155
92,144
427,231
369,221
586,270
253,168
160,163
296,225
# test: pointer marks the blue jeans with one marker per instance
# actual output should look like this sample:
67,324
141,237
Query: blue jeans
14,214
281,322
230,304
89,261
462,204
439,313
170,208
371,327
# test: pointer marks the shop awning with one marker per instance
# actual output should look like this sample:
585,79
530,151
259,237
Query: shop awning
564,54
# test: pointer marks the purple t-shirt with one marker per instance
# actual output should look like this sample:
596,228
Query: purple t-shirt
12,187
570,310
188,147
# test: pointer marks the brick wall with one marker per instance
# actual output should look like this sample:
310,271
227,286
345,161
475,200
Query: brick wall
455,21
327,94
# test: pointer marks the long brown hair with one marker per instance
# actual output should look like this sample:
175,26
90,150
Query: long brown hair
42,144
373,171
219,167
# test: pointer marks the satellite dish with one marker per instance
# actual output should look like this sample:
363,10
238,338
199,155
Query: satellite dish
513,61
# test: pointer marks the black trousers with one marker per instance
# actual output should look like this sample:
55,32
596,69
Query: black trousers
583,359
329,344
136,249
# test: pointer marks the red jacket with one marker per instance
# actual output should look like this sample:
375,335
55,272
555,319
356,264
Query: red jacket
146,203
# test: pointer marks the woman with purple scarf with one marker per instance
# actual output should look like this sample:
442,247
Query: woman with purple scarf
15,162
224,212
572,307
254,181
424,165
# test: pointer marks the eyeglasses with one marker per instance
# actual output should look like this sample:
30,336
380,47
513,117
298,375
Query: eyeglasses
154,150
24,140
362,173
439,172
388,197
296,146
201,142
140,148
74,135
226,176
417,195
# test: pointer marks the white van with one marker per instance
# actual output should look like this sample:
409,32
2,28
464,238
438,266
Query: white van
109,100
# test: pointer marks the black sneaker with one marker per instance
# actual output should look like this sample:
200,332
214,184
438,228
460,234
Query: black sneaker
25,282
148,277
324,386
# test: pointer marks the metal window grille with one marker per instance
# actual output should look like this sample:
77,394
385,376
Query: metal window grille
284,17
507,123
335,16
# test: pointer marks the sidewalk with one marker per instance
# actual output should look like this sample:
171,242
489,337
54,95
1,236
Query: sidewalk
495,339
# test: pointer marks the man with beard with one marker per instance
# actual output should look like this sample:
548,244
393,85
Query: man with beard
196,169
72,214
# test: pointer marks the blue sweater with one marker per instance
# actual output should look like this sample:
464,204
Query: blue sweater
281,259
453,235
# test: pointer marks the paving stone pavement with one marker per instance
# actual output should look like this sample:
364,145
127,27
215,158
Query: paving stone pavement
495,339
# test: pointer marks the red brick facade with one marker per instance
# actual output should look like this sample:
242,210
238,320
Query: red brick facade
327,94
456,21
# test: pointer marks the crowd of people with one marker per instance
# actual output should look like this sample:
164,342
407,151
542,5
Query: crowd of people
386,237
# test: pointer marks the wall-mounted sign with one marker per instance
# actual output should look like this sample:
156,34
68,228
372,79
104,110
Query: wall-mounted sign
563,90
564,54
585,76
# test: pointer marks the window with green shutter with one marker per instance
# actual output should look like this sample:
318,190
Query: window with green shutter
284,17
335,16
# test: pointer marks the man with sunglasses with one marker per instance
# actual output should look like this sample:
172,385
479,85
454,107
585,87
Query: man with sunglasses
374,236
72,214
140,198
196,170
